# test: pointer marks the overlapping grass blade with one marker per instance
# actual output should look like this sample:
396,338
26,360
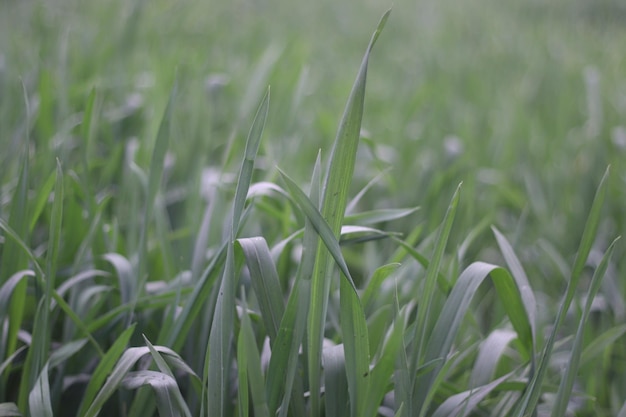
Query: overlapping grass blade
284,361
373,286
334,202
41,334
219,347
462,404
13,258
382,372
103,369
336,396
518,273
154,183
328,237
265,282
249,359
567,381
122,369
600,343
430,283
39,402
528,402
168,399
489,353
449,320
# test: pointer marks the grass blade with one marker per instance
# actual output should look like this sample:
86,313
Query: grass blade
39,401
248,353
568,379
104,369
154,183
264,281
284,360
219,348
528,403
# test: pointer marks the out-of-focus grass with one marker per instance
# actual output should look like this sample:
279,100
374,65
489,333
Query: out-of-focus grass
522,101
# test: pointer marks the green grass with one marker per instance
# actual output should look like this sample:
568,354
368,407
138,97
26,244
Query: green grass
431,233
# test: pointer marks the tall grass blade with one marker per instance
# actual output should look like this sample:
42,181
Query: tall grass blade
13,258
219,347
568,379
334,202
528,402
423,324
250,359
154,183
284,360
518,273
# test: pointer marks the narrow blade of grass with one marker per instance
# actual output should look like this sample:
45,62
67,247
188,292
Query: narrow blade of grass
334,202
13,258
219,347
39,402
528,402
568,379
104,368
154,183
247,349
284,361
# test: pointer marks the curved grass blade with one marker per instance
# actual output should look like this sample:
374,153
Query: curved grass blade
103,369
447,325
462,404
39,402
321,226
169,401
489,353
518,273
265,282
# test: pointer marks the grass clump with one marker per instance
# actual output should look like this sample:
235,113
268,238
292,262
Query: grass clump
140,276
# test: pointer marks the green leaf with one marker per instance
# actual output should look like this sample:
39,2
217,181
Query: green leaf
103,369
529,400
247,349
568,379
334,202
39,401
264,281
219,347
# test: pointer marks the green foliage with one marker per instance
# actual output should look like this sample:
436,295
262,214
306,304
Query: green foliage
131,211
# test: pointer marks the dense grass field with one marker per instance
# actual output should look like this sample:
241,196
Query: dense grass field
425,226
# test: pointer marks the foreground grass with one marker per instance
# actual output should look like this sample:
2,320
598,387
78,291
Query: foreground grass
155,260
